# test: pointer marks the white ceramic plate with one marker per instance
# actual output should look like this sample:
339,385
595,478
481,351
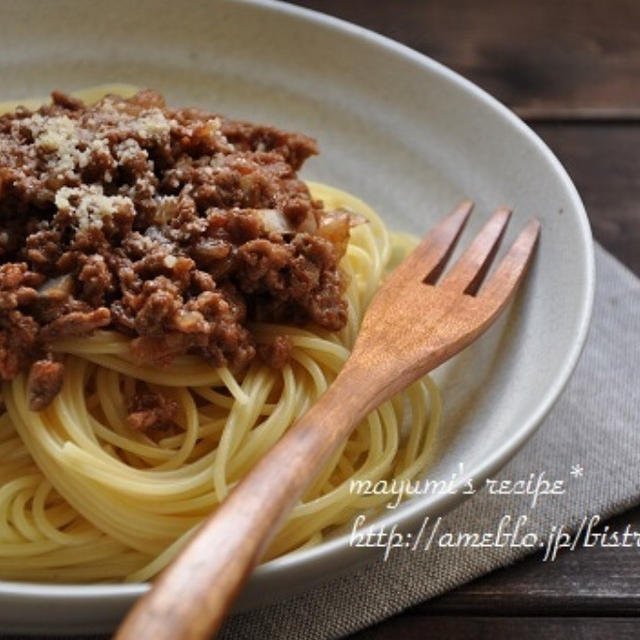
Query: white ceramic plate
396,128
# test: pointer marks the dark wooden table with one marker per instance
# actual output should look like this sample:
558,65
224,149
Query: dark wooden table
571,68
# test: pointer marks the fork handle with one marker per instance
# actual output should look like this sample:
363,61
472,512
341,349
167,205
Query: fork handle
192,596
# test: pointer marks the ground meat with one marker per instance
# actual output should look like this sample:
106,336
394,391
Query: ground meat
150,410
75,323
18,343
44,382
176,227
276,353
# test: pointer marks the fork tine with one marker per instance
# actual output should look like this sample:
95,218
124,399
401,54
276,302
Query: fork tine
432,253
503,283
467,273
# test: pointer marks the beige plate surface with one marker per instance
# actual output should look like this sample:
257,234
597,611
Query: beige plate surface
401,131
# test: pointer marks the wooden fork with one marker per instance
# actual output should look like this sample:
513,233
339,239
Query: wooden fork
416,321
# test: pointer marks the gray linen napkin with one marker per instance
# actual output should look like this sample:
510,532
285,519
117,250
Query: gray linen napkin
593,425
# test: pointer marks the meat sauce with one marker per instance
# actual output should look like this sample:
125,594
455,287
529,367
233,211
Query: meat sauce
175,227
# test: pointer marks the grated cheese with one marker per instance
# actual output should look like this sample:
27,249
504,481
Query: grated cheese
57,137
152,124
88,205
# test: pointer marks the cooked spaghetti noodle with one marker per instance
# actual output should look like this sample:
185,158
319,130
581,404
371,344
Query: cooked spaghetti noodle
83,497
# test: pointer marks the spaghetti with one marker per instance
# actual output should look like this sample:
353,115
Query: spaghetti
83,497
